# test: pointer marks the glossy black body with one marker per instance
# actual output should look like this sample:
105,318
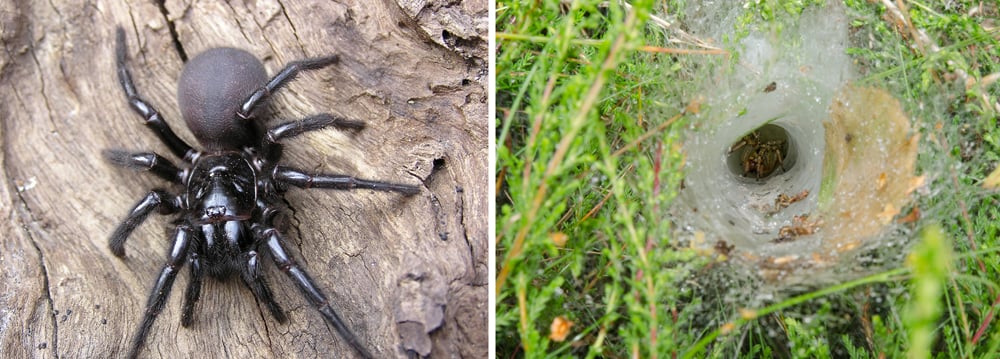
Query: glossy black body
233,188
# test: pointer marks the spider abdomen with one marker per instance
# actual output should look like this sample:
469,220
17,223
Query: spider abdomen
211,89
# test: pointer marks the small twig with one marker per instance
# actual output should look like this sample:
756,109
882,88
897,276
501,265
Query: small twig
659,128
986,321
522,306
899,14
596,207
650,243
500,178
670,50
593,42
536,127
962,314
685,38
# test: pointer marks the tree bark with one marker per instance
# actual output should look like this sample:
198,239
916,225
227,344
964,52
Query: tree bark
391,265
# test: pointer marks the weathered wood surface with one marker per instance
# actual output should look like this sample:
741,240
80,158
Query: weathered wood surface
415,72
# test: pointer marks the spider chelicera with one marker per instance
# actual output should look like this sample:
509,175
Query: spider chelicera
232,189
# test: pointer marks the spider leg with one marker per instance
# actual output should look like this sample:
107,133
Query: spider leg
193,290
748,160
295,177
156,199
308,287
161,290
152,117
271,148
781,161
743,142
146,161
251,275
286,75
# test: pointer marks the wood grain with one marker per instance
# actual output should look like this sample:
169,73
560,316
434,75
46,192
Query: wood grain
415,74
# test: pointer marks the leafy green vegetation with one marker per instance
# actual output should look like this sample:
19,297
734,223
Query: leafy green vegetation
592,106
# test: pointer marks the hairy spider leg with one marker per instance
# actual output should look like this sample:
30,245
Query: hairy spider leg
752,140
146,161
158,296
152,117
193,292
156,199
286,75
253,278
271,146
309,289
781,160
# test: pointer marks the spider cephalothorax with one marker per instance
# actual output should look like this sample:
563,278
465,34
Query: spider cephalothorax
233,188
760,158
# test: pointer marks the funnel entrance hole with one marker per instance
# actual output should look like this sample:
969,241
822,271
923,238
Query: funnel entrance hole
762,154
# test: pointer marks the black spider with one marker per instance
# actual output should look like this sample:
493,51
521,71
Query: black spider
233,187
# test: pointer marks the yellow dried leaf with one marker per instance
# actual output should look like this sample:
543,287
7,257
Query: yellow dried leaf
993,180
849,245
699,237
887,213
912,217
559,329
916,182
785,259
698,245
694,106
558,238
